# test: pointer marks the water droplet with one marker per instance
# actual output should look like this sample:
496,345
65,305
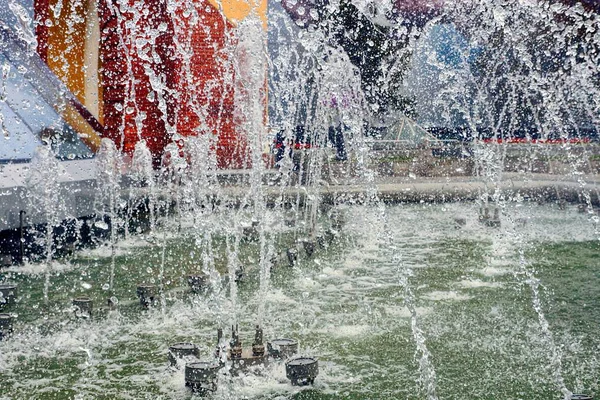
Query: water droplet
101,225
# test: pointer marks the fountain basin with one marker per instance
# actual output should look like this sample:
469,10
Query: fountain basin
321,303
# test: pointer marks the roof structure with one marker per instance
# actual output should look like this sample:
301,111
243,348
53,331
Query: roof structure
37,108
405,130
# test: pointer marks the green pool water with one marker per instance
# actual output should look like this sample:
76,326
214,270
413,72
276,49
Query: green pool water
470,288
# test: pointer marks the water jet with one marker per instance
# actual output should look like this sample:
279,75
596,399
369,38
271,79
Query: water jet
235,345
258,347
5,260
460,221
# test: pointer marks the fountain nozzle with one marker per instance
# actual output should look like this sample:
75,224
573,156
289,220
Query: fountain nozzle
292,256
236,344
219,348
258,348
6,326
302,371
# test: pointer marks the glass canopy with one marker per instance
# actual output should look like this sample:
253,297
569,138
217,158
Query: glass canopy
36,109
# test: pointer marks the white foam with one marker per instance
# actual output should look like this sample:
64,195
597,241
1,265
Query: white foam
331,272
443,296
475,283
341,331
494,271
30,268
403,312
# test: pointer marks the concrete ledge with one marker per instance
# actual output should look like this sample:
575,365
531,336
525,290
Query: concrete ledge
538,187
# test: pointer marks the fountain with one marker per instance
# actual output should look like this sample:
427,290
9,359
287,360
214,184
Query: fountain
413,202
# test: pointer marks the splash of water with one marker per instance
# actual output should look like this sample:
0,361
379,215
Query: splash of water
108,180
144,176
46,201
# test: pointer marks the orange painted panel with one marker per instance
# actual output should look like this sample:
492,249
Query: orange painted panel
65,43
237,10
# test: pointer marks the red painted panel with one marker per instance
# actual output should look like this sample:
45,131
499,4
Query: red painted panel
206,84
200,96
40,9
131,108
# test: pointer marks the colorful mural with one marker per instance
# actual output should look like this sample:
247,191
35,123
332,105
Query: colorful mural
128,63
